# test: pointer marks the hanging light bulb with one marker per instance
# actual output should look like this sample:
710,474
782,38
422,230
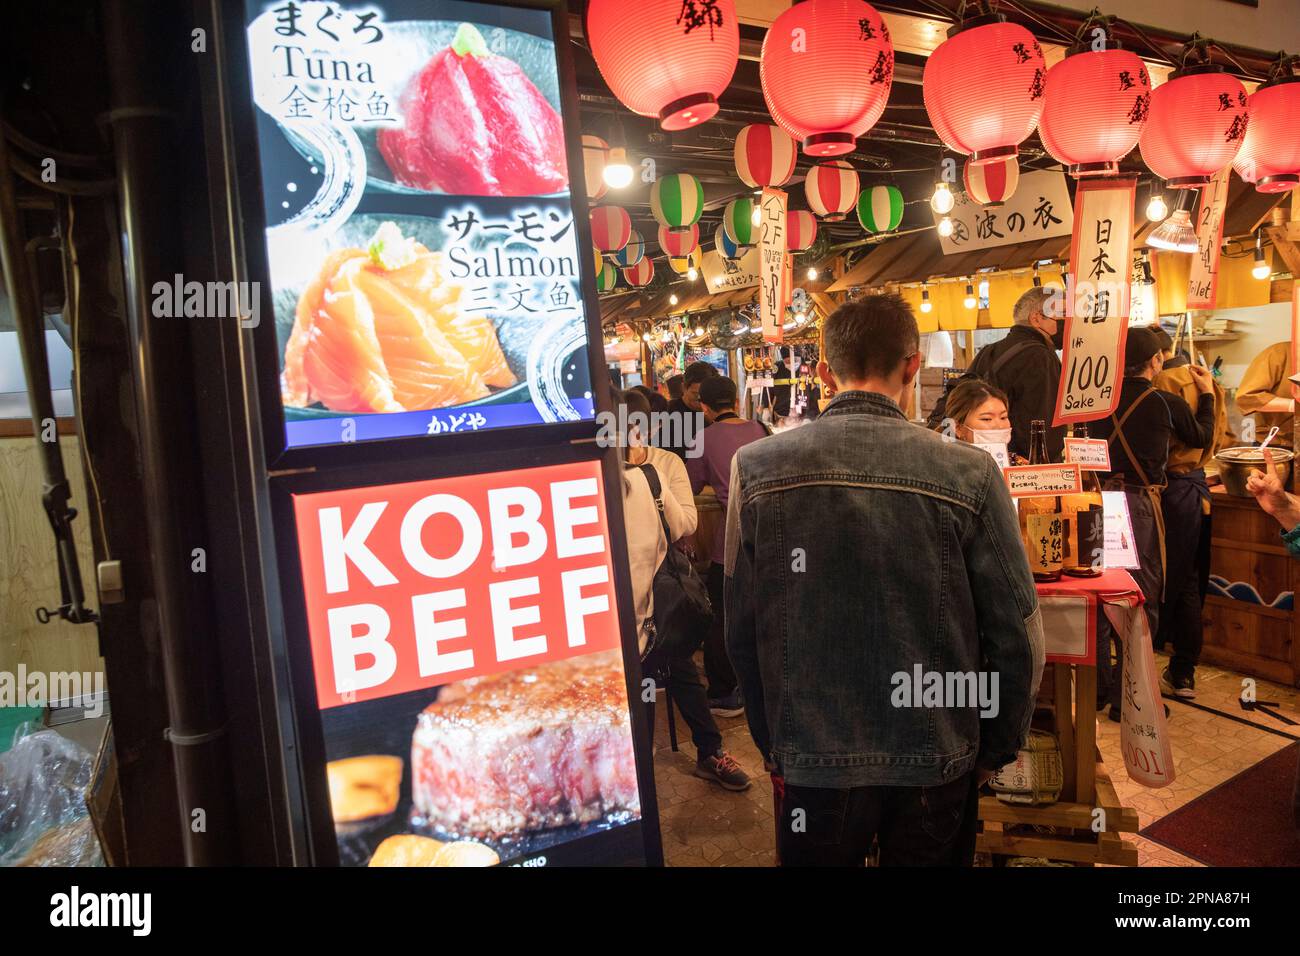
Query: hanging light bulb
1262,269
645,336
756,217
699,330
943,200
692,274
1157,208
926,304
945,226
618,172
969,301
1038,280
672,299
812,273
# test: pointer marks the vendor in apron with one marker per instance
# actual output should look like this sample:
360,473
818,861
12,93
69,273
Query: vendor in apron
1186,506
1265,394
1139,433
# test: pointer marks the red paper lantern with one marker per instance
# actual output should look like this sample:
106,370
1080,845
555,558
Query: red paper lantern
1270,154
641,273
991,184
611,228
1094,109
765,155
826,70
678,243
665,59
1197,124
983,87
801,230
832,189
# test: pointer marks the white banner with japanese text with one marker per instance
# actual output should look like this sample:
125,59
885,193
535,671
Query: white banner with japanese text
774,295
1096,300
1203,280
1038,209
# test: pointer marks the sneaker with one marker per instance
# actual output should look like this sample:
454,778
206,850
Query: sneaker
723,770
729,706
1184,687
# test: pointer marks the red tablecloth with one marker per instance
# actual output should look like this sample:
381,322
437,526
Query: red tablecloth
1070,612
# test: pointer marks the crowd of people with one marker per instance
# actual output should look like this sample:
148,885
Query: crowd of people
912,563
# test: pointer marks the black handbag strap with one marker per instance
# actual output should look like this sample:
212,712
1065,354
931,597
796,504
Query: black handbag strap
657,490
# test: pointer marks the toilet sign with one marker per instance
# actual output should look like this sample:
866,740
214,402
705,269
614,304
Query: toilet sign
1203,280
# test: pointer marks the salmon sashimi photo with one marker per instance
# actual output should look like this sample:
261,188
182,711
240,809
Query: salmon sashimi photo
381,330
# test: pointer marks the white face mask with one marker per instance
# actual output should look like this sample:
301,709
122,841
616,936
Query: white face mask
990,436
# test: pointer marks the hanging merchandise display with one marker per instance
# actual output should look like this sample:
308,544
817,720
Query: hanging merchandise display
725,245
665,60
677,201
991,184
983,87
1095,106
633,252
641,273
880,208
611,227
595,154
831,189
1197,124
607,278
826,70
1270,154
738,221
676,244
765,155
801,230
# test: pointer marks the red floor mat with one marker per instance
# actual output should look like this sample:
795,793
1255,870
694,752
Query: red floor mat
1245,821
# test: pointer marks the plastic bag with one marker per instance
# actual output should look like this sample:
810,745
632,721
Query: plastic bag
43,817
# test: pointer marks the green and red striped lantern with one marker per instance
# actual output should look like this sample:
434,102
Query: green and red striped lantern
611,227
678,244
607,278
765,155
801,230
633,252
738,221
993,183
724,244
677,201
641,273
682,265
880,208
832,189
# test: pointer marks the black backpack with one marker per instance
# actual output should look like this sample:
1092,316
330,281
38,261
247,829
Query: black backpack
939,412
682,610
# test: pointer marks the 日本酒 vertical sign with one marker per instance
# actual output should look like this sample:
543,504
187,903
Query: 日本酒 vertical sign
1203,281
1096,300
774,292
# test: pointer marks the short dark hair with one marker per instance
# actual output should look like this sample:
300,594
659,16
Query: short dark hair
657,402
675,386
696,373
870,337
718,393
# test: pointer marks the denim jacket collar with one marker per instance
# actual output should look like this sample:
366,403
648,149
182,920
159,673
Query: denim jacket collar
859,402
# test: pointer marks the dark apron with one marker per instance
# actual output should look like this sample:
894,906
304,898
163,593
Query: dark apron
1152,491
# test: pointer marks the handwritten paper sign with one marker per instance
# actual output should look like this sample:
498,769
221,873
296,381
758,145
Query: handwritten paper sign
775,293
1090,454
723,275
1121,547
1203,280
1144,738
1030,481
1039,209
1096,300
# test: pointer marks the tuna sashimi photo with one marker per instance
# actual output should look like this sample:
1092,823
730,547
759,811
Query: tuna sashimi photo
476,125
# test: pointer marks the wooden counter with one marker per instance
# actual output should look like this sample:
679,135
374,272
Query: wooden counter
1256,638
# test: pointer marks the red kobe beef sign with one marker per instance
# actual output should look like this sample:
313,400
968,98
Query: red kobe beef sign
419,584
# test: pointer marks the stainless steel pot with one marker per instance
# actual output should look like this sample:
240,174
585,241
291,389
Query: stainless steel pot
1236,464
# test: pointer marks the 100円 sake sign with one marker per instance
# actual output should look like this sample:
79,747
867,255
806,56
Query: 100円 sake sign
1096,300
774,290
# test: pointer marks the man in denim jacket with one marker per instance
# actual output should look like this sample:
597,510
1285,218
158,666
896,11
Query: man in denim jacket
880,613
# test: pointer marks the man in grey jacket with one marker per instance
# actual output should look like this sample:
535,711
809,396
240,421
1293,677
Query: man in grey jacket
880,613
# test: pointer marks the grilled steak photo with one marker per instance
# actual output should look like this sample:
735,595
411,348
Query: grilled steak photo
549,746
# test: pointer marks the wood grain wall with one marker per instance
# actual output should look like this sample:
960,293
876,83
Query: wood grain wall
29,573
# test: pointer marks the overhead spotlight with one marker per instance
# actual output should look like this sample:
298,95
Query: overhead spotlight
1175,234
645,336
692,274
812,273
672,299
943,200
756,217
1038,280
699,330
969,301
926,304
1262,268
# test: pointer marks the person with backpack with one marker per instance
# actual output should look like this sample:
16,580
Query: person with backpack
655,483
1026,367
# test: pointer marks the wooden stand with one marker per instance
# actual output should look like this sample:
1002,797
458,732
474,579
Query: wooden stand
1007,827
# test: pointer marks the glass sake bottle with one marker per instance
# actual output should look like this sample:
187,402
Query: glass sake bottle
1041,526
1084,525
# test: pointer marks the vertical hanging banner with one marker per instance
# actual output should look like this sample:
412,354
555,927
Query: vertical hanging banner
1096,300
1203,281
774,294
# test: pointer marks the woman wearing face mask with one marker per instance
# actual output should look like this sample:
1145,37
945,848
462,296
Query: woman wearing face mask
978,413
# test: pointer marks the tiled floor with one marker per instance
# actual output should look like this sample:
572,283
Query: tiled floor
703,825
